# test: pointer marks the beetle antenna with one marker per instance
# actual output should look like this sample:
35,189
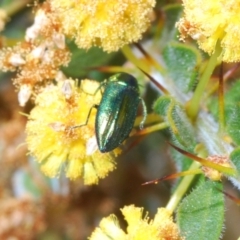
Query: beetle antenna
157,84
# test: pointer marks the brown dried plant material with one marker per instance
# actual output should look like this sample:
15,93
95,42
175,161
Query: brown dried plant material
212,173
12,137
64,217
12,125
75,215
37,59
21,219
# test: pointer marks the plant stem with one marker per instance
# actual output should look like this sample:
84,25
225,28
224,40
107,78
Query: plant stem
151,60
221,101
154,128
181,189
226,77
126,50
194,104
16,6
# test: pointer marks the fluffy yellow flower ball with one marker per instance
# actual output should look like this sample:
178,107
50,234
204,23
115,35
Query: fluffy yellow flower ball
57,143
139,227
104,23
211,21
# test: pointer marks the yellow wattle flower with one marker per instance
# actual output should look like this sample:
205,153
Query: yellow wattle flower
139,227
211,21
107,24
55,141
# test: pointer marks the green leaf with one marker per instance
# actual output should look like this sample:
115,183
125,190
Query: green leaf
4,3
233,123
235,158
171,13
181,62
231,97
161,105
232,110
182,162
200,216
83,60
180,126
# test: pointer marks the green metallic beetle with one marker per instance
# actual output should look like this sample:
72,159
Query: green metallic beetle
117,111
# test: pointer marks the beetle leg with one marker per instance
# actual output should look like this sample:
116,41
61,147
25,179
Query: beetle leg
100,87
144,114
84,124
